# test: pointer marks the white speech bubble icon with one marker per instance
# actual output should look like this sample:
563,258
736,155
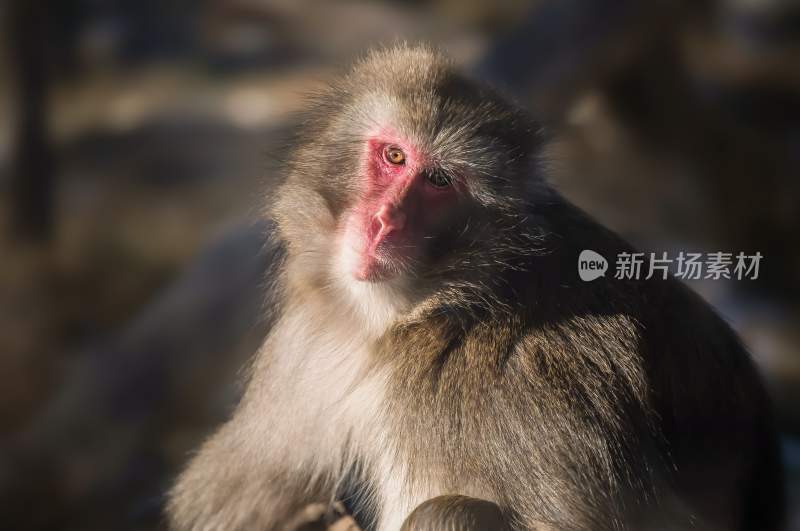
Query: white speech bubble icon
591,265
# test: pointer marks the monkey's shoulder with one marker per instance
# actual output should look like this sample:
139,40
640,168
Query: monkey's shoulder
664,314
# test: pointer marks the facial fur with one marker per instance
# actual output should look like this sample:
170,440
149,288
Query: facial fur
390,231
434,342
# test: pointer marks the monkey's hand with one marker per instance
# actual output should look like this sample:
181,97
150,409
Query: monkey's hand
456,513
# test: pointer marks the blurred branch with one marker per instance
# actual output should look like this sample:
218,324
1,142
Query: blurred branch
32,177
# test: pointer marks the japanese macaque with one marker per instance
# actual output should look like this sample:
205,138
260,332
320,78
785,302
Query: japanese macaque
436,349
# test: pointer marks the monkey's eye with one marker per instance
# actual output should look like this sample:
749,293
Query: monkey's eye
438,178
394,155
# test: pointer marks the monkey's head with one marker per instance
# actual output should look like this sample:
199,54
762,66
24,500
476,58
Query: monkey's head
406,174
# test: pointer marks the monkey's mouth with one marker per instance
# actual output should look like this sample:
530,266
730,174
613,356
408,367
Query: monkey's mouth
376,265
378,258
385,257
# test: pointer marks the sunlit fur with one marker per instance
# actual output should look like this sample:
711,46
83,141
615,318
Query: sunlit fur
484,367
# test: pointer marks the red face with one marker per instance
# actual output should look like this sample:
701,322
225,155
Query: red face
404,202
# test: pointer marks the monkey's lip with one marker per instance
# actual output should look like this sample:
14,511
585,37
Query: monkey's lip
378,261
373,268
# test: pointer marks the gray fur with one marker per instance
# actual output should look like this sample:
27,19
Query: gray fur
488,369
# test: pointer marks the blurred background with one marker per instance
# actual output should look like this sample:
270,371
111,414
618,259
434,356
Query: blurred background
138,138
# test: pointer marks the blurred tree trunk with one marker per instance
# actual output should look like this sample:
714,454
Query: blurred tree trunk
33,163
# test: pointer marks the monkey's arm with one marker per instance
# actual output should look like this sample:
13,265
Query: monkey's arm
228,485
253,473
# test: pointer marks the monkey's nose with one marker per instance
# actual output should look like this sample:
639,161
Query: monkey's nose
390,219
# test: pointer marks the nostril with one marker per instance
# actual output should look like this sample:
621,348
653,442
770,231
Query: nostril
376,227
390,218
387,220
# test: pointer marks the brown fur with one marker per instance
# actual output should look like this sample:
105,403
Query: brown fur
490,370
